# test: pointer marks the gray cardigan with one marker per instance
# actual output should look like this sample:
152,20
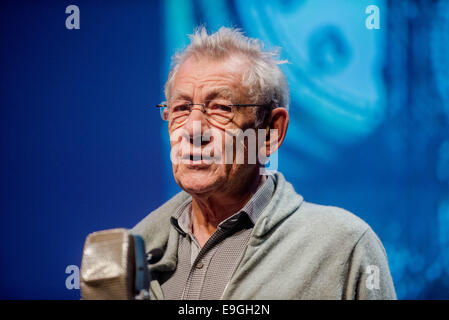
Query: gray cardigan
297,250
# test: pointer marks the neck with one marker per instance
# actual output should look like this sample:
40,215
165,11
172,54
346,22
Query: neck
210,210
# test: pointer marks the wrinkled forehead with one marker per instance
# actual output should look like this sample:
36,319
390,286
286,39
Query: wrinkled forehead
209,78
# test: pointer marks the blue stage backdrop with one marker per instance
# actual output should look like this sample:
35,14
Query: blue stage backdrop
84,149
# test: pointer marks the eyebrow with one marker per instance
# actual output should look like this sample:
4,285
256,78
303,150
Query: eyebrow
219,92
179,95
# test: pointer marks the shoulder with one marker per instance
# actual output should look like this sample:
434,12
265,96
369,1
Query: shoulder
328,224
157,223
330,216
301,220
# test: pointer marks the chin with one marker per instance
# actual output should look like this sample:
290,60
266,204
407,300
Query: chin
197,181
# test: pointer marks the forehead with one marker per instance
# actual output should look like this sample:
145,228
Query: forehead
199,76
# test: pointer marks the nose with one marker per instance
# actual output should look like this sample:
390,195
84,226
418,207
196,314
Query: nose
196,124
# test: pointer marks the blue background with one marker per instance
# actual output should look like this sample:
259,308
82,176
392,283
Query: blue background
83,148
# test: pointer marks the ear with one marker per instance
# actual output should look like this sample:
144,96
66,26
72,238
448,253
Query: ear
276,129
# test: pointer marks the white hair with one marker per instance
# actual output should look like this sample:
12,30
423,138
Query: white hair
265,81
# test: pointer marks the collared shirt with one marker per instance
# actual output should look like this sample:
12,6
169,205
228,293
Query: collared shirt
203,273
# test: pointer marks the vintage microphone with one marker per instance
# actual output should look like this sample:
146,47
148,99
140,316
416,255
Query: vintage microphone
114,266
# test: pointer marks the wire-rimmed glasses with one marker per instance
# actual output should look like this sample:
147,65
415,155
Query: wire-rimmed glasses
218,112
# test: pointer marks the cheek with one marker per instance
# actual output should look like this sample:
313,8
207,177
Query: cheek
215,147
228,149
179,146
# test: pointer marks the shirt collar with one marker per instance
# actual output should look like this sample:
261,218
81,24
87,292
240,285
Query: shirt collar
182,221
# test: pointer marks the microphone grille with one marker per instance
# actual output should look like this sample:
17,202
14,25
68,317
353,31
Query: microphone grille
106,267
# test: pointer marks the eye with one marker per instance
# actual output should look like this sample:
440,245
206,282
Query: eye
220,107
181,108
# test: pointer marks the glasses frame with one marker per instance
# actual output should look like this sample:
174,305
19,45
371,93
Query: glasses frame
164,104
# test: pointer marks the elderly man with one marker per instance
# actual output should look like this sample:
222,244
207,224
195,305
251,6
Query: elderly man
234,233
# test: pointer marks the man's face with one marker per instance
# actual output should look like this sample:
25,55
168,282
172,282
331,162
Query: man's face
199,80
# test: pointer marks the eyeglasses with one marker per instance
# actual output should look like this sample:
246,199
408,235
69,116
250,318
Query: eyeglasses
218,112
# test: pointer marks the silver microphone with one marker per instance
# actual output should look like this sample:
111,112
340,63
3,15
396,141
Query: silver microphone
114,266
